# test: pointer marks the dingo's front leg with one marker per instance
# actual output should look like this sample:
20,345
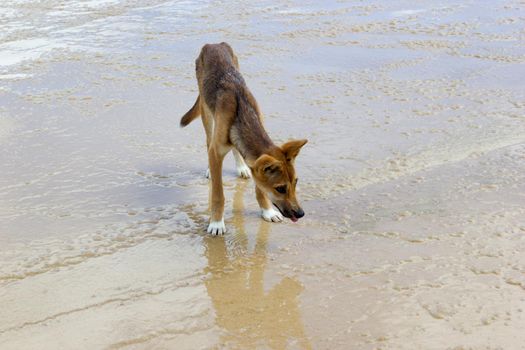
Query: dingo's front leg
268,212
216,156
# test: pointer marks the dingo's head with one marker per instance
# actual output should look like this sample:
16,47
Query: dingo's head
275,175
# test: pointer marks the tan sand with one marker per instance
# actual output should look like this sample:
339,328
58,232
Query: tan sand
413,180
7,126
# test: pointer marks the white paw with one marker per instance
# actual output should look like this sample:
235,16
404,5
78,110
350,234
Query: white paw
216,227
271,215
208,173
243,171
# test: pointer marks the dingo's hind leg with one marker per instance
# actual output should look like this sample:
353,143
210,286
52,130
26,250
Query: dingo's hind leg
207,122
243,171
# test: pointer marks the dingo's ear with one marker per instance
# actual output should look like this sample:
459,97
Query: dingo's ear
291,148
267,166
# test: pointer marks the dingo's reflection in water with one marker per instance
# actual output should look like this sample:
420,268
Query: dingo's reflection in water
250,316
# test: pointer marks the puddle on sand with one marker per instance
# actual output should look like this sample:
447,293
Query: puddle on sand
182,290
250,314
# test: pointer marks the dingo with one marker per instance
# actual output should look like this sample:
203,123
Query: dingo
232,119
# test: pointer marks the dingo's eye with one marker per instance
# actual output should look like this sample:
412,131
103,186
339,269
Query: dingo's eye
281,189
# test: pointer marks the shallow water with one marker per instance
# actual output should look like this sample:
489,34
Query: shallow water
412,179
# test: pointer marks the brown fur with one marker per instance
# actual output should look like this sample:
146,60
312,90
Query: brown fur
232,119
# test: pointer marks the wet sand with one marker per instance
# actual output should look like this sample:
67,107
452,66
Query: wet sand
413,180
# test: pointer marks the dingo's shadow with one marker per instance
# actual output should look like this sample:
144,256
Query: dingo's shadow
250,316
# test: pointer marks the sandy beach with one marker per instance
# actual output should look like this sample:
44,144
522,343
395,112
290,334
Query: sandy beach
413,180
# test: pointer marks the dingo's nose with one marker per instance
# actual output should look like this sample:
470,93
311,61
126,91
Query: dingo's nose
299,213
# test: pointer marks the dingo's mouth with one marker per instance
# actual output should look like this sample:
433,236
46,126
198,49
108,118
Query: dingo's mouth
286,215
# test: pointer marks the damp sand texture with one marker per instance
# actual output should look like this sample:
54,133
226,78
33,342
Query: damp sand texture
413,180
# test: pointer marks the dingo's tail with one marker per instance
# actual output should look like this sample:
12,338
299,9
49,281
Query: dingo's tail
192,114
